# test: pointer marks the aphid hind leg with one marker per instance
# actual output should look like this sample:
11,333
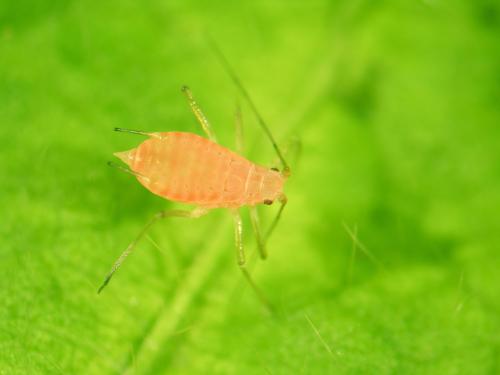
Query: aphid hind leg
254,219
237,82
197,212
202,119
241,260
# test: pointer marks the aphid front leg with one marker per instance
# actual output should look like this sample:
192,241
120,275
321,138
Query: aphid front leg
202,119
197,212
240,256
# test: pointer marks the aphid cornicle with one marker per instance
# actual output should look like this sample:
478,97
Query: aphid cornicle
187,168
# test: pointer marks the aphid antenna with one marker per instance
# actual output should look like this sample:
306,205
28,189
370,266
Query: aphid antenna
140,132
123,169
236,80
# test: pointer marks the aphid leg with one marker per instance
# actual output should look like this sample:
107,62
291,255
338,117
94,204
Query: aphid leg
240,257
254,218
197,212
283,200
236,80
202,119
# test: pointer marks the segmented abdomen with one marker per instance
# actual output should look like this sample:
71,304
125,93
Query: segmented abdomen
188,168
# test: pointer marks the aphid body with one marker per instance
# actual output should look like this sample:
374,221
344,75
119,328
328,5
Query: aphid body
185,167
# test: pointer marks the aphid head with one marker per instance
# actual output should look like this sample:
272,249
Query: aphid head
126,156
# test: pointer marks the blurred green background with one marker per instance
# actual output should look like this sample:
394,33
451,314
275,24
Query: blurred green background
396,104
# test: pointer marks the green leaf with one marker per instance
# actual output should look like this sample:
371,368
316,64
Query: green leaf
386,259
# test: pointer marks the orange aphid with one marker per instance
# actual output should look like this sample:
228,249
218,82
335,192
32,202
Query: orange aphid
185,167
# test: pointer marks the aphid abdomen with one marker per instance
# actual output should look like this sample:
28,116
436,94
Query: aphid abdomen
185,167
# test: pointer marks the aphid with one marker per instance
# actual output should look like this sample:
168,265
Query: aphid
187,168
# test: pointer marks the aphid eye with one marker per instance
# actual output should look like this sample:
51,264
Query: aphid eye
275,169
268,202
